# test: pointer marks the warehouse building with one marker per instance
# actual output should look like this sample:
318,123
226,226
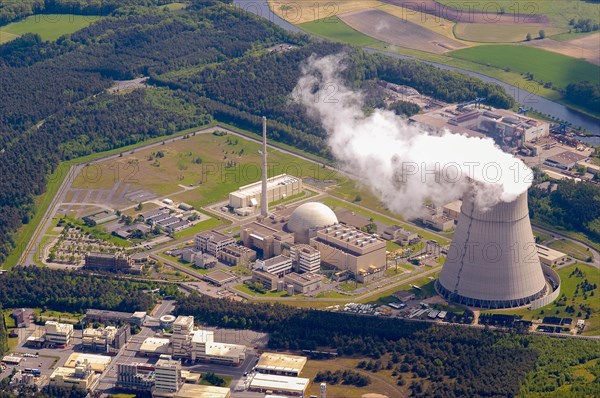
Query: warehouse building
155,347
280,364
99,339
200,391
435,218
278,187
282,385
452,209
349,249
565,160
550,257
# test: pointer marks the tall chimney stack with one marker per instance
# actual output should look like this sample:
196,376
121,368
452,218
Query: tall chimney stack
264,204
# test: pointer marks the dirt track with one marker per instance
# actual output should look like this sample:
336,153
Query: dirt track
434,8
399,32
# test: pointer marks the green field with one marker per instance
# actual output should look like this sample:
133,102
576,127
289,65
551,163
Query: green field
544,65
335,29
497,33
568,287
48,26
572,249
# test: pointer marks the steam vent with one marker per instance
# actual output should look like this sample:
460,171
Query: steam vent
493,260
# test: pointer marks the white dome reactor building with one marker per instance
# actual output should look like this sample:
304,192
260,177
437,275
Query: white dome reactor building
309,217
493,260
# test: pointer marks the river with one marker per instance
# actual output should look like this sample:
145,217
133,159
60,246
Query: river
523,97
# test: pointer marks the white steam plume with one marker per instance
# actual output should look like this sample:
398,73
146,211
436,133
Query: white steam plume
403,164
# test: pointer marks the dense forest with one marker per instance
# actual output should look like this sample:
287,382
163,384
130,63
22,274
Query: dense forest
572,206
204,63
585,94
445,361
12,10
72,291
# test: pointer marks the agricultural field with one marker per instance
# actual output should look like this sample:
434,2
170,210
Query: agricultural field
396,31
544,65
586,48
49,26
336,30
303,11
499,33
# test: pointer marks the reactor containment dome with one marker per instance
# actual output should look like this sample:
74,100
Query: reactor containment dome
493,260
310,217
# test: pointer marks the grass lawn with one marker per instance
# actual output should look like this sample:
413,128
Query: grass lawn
350,286
201,226
542,236
544,65
568,287
572,249
227,379
426,285
331,294
48,26
184,264
174,6
381,382
245,289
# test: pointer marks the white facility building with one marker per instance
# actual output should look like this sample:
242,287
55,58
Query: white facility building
278,187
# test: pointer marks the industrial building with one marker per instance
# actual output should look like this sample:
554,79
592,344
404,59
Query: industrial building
110,262
280,364
105,316
565,160
278,187
220,278
267,241
98,339
98,363
235,255
507,128
269,281
282,385
550,257
200,391
309,217
305,258
135,376
400,235
155,347
167,377
212,242
435,218
23,317
59,334
82,377
303,283
199,345
489,263
278,265
452,209
349,249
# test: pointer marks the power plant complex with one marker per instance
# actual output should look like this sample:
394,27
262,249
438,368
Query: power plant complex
493,260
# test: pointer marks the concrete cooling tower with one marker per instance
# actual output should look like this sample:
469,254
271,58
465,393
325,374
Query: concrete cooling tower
493,260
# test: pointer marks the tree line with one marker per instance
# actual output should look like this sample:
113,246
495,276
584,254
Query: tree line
72,291
572,206
450,361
